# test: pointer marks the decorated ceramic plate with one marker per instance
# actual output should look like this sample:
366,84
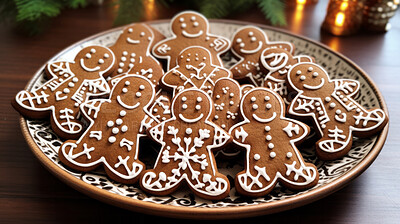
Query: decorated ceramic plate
333,174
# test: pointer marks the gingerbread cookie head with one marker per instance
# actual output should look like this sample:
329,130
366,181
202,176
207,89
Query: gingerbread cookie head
261,106
190,108
92,61
309,79
189,24
138,34
133,95
248,40
193,58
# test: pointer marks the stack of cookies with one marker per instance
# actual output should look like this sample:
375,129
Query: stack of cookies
176,92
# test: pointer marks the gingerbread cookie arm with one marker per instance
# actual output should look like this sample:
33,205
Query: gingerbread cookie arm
91,108
347,87
296,130
302,106
58,69
239,134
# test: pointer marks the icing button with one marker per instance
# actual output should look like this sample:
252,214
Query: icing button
272,155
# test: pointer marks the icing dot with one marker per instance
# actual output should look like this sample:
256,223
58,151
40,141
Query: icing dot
223,126
183,25
71,84
195,24
302,78
133,55
217,96
199,99
251,33
123,58
122,113
101,61
66,90
321,112
110,123
120,70
271,145
253,39
257,156
255,106
138,94
358,110
155,110
253,99
269,137
188,131
332,105
231,102
132,60
323,126
241,44
119,121
317,104
112,139
121,64
106,55
298,72
315,74
184,106
266,98
268,106
238,40
319,108
193,18
184,99
267,128
141,87
130,30
310,69
216,117
181,19
272,155
127,83
130,65
338,111
92,50
124,90
76,104
289,155
75,79
198,107
231,94
125,53
115,130
142,34
88,55
124,128
327,99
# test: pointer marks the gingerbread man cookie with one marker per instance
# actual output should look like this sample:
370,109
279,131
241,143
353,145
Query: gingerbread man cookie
277,62
194,69
187,141
190,29
247,44
329,104
115,128
132,51
269,139
70,84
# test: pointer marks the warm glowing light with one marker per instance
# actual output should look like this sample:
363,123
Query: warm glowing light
334,43
339,21
149,8
298,17
396,2
301,2
344,6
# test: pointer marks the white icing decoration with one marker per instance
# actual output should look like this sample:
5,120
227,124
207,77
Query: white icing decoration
82,63
315,87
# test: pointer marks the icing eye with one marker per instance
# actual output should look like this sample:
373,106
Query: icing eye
193,18
141,87
251,33
184,106
142,34
198,107
106,55
266,98
124,90
315,74
253,99
253,39
101,61
130,30
238,40
127,83
181,19
183,25
88,55
302,78
255,106
310,69
184,99
298,72
268,106
195,24
92,50
138,94
204,58
199,99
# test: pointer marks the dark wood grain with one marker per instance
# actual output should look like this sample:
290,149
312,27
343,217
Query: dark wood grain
30,194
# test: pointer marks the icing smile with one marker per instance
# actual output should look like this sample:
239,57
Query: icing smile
190,120
260,44
264,120
126,105
315,87
131,41
88,69
186,34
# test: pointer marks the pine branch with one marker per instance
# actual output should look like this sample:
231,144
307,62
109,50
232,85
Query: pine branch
273,10
128,11
214,9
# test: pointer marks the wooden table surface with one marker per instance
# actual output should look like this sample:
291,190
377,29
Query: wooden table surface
30,194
